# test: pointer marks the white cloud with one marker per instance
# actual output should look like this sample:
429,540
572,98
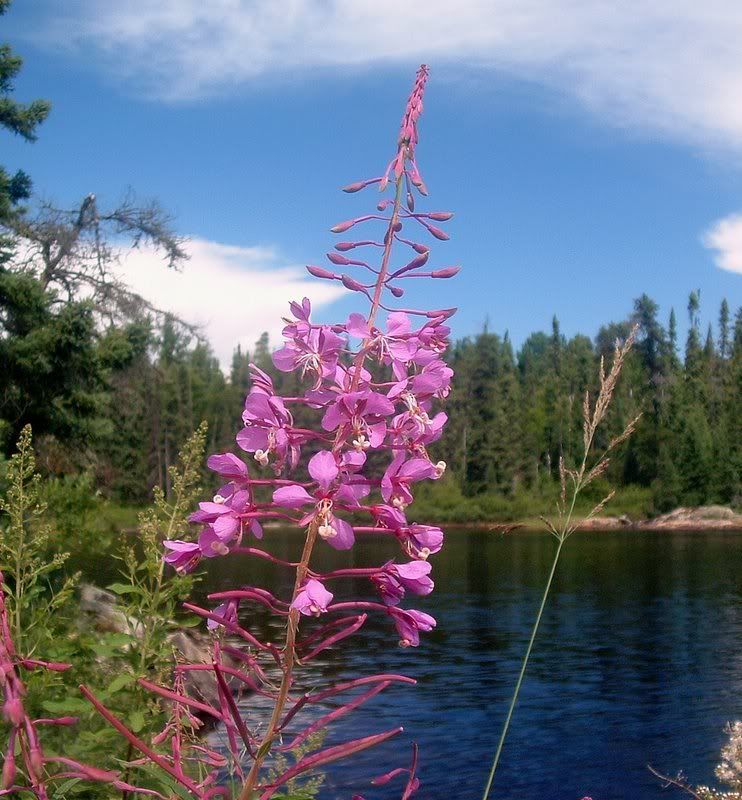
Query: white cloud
725,236
669,65
234,293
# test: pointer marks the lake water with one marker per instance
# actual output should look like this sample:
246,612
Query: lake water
639,661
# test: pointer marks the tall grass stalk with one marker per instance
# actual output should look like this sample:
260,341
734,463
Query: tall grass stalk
573,481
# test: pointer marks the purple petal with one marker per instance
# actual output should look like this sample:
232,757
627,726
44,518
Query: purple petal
227,465
252,439
345,538
292,496
285,359
323,469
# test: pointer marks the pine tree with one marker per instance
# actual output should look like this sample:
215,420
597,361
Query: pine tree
724,329
20,119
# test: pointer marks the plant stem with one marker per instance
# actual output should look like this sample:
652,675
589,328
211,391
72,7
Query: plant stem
288,669
516,691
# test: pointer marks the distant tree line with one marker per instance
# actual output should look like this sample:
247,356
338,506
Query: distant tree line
515,413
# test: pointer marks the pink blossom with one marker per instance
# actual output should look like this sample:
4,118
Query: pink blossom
396,579
183,556
409,623
312,599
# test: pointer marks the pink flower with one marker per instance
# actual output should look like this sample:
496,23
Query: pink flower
227,611
409,623
361,417
268,430
183,556
400,474
309,349
395,579
312,599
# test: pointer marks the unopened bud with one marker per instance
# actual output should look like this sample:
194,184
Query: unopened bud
440,216
341,227
9,770
396,291
36,760
447,272
13,711
321,272
438,233
356,187
352,284
336,258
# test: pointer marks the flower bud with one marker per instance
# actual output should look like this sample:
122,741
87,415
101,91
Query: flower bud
341,227
321,272
13,711
447,272
351,188
352,284
9,770
36,760
438,233
440,216
336,258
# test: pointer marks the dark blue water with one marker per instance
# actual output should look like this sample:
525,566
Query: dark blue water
639,661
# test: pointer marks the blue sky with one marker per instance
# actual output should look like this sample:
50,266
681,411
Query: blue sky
591,152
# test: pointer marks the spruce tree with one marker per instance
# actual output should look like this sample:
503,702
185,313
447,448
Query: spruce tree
20,119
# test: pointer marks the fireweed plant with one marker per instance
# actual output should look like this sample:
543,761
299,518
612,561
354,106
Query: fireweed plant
371,385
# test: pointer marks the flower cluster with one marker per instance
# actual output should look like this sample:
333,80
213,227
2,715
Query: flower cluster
372,384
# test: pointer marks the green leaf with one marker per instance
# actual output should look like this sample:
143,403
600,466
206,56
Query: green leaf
124,588
189,622
117,639
166,780
71,705
136,721
62,790
119,682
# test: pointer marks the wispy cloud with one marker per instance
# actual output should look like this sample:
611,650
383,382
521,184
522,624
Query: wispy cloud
668,65
725,236
234,293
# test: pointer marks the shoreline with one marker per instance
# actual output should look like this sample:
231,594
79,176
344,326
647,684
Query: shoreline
704,518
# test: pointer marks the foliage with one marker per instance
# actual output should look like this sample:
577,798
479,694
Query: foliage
45,613
25,547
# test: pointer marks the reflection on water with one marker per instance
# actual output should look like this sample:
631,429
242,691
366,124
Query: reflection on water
639,661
